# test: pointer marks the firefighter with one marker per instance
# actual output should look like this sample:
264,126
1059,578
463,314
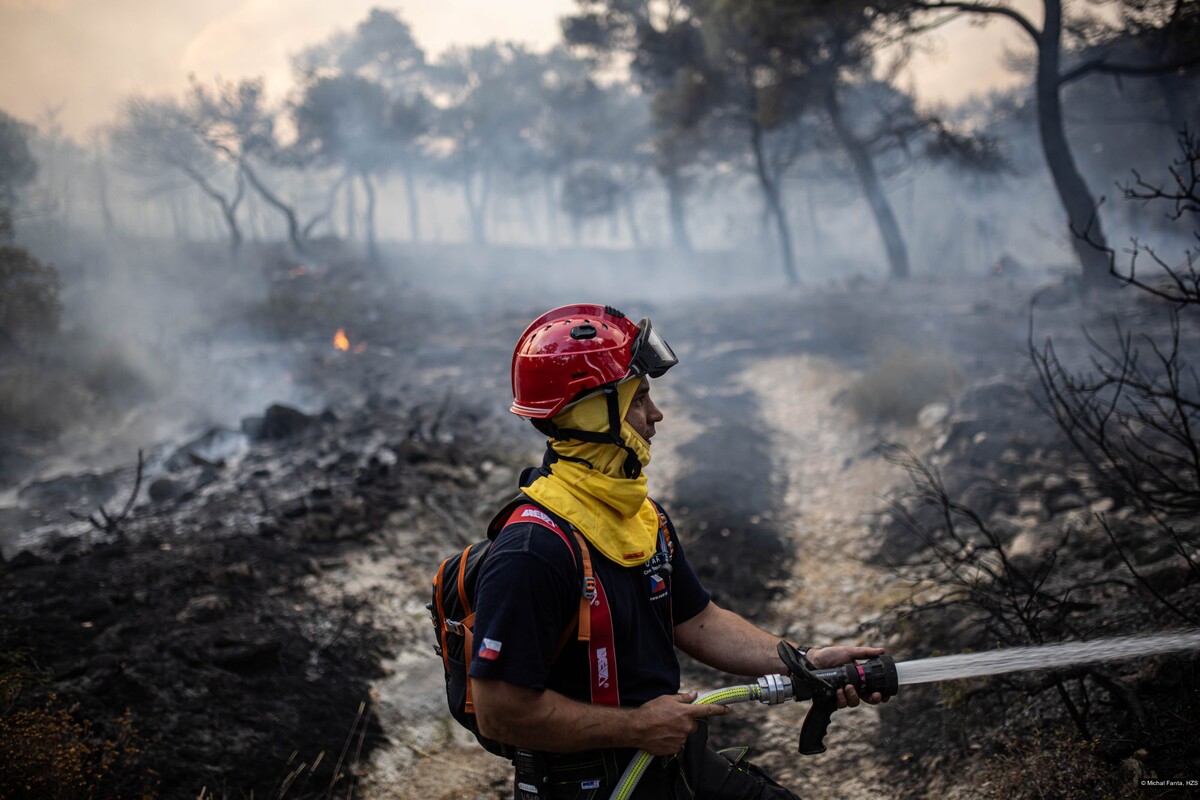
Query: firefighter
577,711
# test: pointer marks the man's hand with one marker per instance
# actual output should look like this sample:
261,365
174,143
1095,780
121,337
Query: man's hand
825,657
664,723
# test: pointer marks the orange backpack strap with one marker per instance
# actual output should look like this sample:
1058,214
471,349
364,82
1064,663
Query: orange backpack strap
441,611
589,589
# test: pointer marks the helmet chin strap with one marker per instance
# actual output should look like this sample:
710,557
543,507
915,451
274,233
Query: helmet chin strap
632,468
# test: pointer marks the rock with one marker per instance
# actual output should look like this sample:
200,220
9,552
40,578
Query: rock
986,449
1005,528
211,448
247,657
932,415
239,571
24,559
984,497
1029,506
1059,503
1026,543
279,422
204,608
162,490
1168,578
1054,483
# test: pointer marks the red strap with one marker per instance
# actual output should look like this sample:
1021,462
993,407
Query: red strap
531,513
595,626
602,653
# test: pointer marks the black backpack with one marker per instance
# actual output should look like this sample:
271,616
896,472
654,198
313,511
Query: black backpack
453,607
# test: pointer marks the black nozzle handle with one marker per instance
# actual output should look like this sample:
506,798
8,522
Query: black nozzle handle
816,724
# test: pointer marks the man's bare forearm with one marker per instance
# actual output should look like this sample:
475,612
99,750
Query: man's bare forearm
548,721
724,640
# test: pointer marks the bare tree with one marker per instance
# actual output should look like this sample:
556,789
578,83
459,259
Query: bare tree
158,135
232,119
1077,198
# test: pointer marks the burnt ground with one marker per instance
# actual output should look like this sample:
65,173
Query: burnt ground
208,618
269,580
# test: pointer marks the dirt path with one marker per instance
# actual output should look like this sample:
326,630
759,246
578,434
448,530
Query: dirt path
833,483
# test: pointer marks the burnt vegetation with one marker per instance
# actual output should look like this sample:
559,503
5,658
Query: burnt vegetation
253,357
1093,537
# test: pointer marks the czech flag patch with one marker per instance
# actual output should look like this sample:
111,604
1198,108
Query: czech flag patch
657,584
490,650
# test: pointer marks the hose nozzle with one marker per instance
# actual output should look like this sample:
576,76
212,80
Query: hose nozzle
821,685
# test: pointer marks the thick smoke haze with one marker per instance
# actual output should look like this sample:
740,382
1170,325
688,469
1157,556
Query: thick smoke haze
499,176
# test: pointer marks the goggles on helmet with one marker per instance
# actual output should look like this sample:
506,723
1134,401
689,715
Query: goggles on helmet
651,355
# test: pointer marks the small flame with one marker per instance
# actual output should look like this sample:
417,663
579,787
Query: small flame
341,341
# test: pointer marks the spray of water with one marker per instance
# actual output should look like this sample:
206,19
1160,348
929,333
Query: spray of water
1052,656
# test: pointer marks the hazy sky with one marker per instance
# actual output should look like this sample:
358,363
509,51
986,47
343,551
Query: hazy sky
84,55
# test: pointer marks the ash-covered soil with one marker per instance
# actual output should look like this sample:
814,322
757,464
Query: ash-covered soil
269,580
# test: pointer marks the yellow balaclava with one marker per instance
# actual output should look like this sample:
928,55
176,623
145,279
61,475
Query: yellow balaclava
609,509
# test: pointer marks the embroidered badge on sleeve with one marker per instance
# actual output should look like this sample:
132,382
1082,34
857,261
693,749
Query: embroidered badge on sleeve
490,651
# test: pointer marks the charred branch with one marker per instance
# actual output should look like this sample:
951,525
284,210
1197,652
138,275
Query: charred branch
109,523
1134,421
1102,65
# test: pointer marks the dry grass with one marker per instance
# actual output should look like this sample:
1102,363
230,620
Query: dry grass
47,752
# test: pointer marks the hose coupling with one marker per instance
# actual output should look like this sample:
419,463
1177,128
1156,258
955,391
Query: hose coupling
774,689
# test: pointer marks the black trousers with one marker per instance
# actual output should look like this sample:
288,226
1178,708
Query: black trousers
696,773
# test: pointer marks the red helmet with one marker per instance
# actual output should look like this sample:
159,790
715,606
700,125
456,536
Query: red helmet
573,350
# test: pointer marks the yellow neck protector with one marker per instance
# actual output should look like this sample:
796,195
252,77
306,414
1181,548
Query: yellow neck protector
610,510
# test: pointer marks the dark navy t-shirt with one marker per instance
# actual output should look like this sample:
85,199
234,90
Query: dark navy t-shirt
528,593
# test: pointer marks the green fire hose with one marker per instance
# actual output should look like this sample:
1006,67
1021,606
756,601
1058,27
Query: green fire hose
804,683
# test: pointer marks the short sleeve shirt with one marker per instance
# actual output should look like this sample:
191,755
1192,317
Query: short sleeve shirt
528,594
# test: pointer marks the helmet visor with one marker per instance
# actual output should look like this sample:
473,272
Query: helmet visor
652,356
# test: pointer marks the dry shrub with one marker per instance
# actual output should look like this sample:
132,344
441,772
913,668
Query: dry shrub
29,295
306,304
901,382
47,752
1045,766
38,400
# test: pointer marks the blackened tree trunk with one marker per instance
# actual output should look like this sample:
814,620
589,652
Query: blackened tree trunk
229,206
1083,219
414,209
675,202
1087,235
477,206
635,234
369,222
864,167
551,193
289,214
770,189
